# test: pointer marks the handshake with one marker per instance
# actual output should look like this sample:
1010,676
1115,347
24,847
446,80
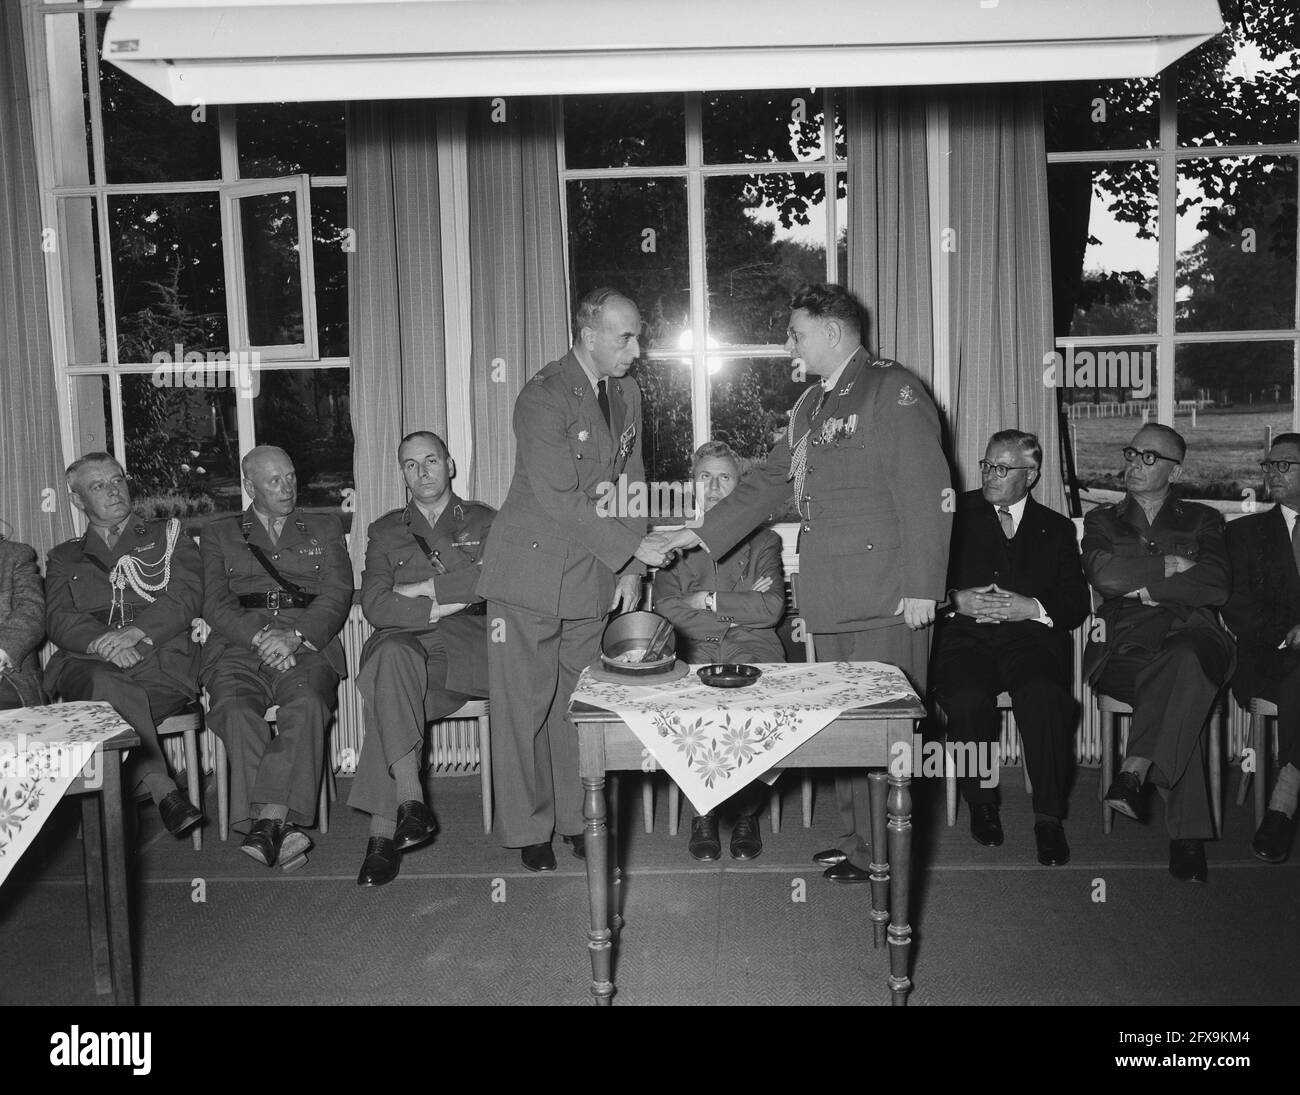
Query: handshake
659,549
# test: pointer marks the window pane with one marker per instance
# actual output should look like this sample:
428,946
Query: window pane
83,289
666,418
278,139
1241,390
764,126
329,218
92,414
624,130
167,274
631,234
1239,87
750,400
272,278
146,139
1105,250
765,236
1236,243
1108,392
305,412
182,448
1080,116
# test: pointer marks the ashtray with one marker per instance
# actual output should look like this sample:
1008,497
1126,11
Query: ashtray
729,675
625,640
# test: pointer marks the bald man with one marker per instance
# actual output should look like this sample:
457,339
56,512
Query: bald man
277,591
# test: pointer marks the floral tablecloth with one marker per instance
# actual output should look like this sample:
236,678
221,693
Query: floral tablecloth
714,741
42,750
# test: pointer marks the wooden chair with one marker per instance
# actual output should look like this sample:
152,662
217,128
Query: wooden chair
477,712
949,769
1111,709
189,724
1260,711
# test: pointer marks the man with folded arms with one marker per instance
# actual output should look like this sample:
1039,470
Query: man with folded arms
428,654
22,625
120,605
725,610
278,588
1017,591
1161,567
1264,613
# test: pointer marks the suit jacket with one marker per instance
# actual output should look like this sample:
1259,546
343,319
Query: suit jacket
1265,600
1041,561
78,594
457,540
744,626
875,527
559,541
22,619
310,554
1122,552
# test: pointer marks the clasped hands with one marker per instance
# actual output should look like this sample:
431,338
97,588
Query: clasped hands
991,604
276,647
427,588
119,647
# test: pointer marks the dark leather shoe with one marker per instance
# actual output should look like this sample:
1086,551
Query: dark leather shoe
1053,851
1125,795
705,843
1272,841
578,844
538,857
1187,860
416,825
746,843
294,846
179,814
830,857
381,862
263,841
986,824
846,872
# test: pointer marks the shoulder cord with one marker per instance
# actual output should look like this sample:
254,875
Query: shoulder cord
799,447
132,571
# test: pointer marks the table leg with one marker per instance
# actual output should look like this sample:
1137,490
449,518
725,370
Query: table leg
600,937
119,921
879,858
92,853
615,871
900,860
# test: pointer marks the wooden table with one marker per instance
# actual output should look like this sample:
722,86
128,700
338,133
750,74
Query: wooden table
862,738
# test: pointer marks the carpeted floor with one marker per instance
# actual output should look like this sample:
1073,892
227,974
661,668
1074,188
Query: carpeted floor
465,924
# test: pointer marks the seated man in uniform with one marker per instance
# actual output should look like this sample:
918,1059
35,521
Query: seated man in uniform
428,654
1161,565
120,605
277,591
725,610
1264,614
22,625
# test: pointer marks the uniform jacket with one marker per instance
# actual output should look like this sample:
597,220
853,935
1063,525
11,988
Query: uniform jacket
1123,552
393,557
744,626
22,618
310,554
876,527
77,584
560,542
1040,561
1265,600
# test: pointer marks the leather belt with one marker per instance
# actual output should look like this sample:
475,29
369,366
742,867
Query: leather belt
275,600
122,617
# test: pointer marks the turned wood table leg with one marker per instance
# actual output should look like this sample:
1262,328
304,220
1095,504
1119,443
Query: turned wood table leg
879,857
600,942
119,919
92,851
900,860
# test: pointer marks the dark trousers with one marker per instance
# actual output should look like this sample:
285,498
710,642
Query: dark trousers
402,685
896,645
747,802
284,768
531,674
1285,693
969,676
1171,691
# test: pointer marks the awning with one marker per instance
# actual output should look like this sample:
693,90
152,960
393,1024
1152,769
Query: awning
225,51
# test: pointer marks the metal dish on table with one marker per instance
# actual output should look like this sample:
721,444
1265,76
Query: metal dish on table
729,675
633,632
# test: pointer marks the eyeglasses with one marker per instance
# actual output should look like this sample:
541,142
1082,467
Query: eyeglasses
1279,466
1148,457
1002,469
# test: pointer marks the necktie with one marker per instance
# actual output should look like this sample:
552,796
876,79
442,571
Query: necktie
1295,542
1008,525
602,397
275,528
110,537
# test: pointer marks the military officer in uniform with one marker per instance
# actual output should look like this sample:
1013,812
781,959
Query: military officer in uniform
121,602
863,453
277,591
560,560
428,654
22,625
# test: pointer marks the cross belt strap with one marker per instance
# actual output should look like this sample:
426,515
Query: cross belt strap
289,587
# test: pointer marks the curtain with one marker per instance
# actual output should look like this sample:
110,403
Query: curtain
519,301
1002,288
33,505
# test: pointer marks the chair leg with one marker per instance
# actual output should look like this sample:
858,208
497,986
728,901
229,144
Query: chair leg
1252,747
1107,769
774,806
485,773
1216,772
327,777
806,781
223,786
674,807
949,784
648,802
194,777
